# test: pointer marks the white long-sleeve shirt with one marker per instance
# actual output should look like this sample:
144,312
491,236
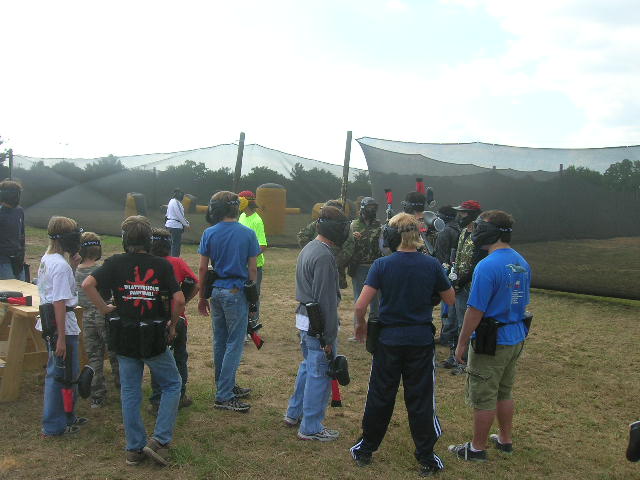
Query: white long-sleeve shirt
175,215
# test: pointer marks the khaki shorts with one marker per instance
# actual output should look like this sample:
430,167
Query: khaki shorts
490,378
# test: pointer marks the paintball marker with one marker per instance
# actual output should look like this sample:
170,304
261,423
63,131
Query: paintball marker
453,276
426,191
15,298
389,194
338,369
83,382
251,292
187,286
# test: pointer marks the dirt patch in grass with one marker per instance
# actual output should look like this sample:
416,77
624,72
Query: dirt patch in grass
576,392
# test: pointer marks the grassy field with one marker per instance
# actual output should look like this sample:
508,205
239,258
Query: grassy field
609,267
575,394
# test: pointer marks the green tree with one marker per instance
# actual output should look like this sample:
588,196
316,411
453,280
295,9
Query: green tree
623,176
104,167
70,170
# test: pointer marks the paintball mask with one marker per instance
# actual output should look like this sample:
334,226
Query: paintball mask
339,370
187,286
472,208
368,208
10,196
486,233
433,221
70,241
336,230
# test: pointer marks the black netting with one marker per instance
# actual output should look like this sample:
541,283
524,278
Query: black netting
578,236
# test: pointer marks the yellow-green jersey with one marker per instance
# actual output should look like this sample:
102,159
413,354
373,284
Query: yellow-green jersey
254,222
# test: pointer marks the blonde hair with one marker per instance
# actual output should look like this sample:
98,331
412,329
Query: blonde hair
58,226
409,228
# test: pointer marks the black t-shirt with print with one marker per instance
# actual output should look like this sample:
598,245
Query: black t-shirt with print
139,282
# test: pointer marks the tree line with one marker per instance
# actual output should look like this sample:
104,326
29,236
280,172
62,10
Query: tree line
111,178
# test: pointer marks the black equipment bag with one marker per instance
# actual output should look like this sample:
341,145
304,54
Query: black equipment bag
486,338
48,321
373,332
316,321
528,318
210,277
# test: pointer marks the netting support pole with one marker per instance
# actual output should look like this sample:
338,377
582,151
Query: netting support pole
155,188
345,172
238,172
10,154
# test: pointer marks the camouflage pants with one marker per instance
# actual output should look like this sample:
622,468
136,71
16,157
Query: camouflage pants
95,344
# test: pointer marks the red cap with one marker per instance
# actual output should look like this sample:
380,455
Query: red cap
468,205
248,194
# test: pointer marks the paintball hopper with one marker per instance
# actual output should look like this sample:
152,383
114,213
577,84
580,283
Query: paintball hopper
432,220
339,370
187,286
84,381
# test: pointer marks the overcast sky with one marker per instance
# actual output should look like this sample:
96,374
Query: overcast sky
87,78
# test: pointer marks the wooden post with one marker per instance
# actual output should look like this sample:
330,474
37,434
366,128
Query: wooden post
10,163
345,172
154,200
238,172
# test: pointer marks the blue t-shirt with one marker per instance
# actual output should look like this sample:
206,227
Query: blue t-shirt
229,245
500,289
406,281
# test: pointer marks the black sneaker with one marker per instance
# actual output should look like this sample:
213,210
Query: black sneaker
240,392
429,470
502,447
464,452
633,449
233,404
362,460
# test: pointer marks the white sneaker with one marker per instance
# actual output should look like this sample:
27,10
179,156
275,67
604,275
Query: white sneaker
325,435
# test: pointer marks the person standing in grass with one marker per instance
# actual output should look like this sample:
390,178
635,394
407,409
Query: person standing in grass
409,283
499,291
317,282
251,219
232,249
12,235
57,286
176,222
147,302
161,247
95,333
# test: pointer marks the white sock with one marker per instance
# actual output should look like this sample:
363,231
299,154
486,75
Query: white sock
473,449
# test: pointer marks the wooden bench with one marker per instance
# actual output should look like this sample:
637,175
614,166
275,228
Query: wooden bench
21,345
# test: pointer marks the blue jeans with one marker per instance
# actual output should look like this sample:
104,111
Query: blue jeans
358,284
164,371
54,418
229,321
313,386
449,323
176,241
180,355
6,272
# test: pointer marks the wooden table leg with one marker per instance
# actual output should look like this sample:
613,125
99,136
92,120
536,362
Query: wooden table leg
12,375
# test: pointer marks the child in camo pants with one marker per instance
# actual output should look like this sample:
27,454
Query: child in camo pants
94,331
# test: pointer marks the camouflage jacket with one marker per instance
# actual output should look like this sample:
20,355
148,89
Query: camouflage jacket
307,234
364,250
467,257
464,255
